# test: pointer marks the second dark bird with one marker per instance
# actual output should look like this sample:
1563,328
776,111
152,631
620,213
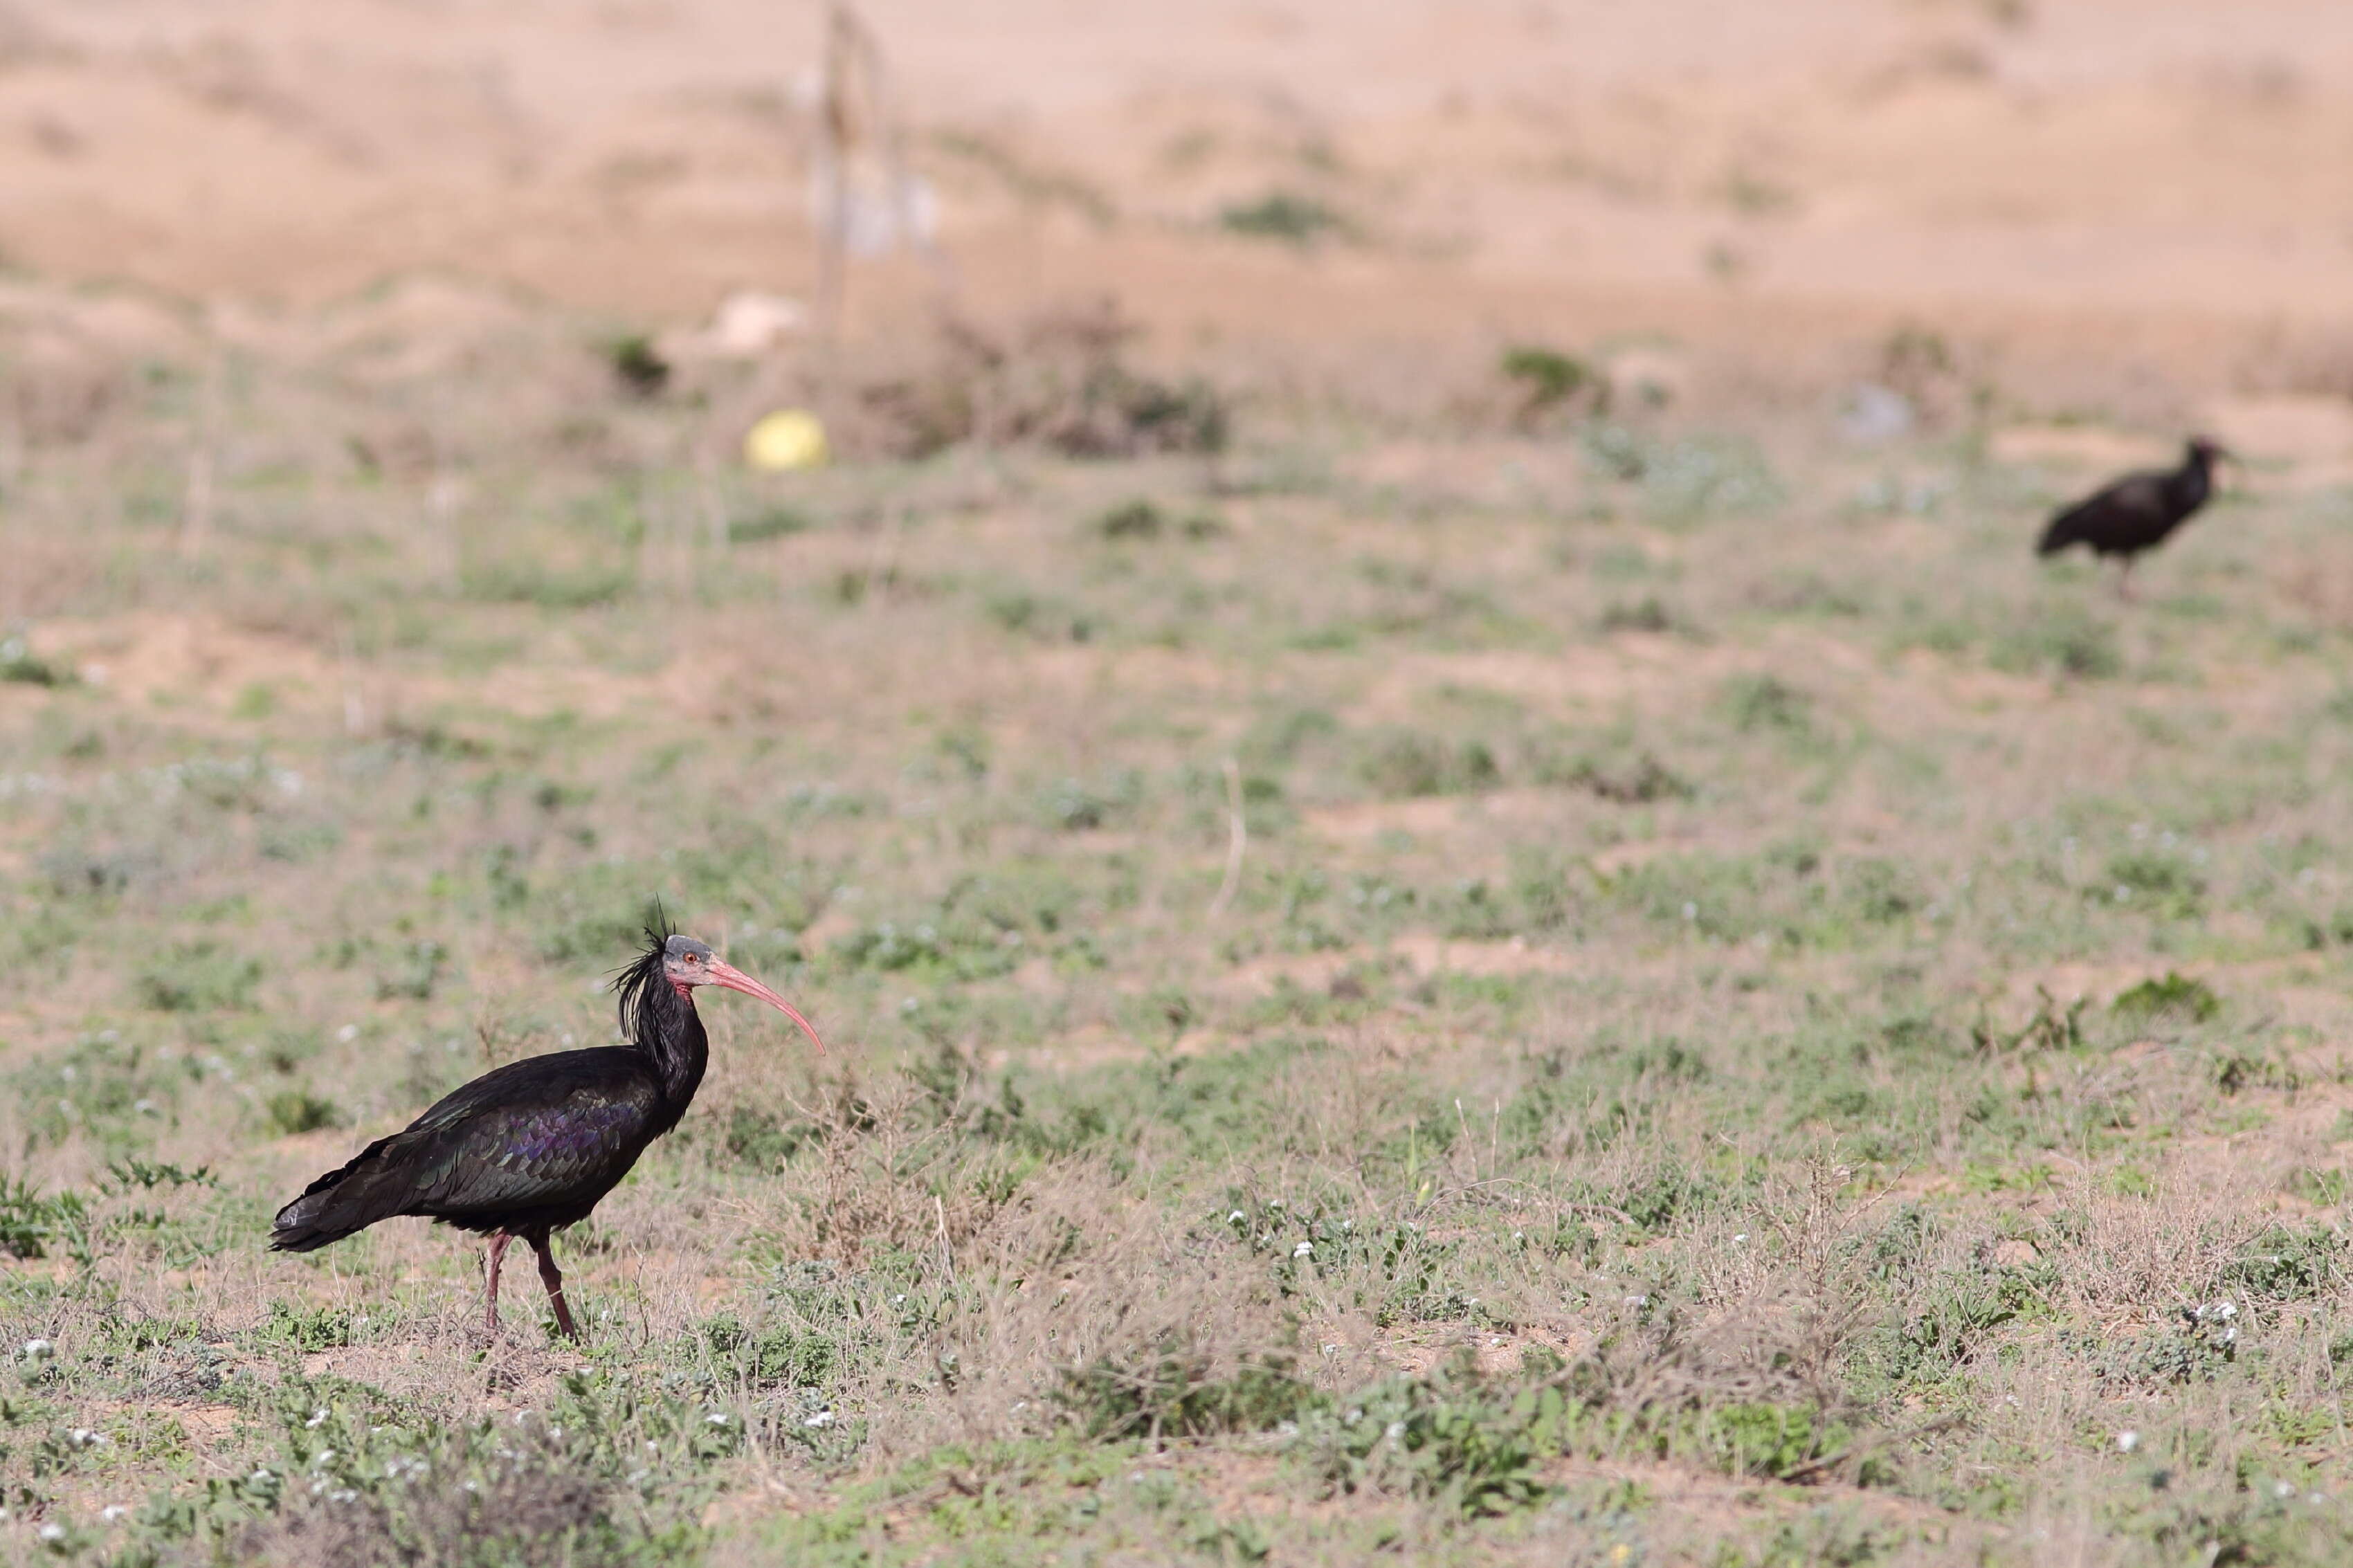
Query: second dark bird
2137,512
531,1147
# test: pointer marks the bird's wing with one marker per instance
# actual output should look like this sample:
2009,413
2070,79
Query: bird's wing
2113,514
532,1132
2139,495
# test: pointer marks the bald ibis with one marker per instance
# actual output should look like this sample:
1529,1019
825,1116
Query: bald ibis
531,1147
2137,512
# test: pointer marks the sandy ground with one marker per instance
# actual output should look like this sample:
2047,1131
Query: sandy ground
2166,187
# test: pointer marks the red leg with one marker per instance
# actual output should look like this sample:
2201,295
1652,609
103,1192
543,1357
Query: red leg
490,1291
552,1277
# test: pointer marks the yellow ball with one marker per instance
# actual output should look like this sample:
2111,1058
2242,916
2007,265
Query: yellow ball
787,439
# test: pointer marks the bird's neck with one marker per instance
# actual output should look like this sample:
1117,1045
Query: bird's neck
2192,480
671,1034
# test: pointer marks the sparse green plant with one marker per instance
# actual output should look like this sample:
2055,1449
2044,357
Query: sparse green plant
1403,763
2059,639
200,976
1176,1390
296,1110
1549,379
19,663
774,521
1285,215
637,365
2171,995
1647,614
1638,780
1767,702
30,1223
1132,520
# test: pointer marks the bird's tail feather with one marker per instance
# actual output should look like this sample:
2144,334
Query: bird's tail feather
2060,534
371,1187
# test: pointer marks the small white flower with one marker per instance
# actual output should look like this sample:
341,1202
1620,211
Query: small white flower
348,1033
1396,1430
83,1438
1303,1250
114,1512
344,1494
2282,1488
1331,1349
318,1419
1237,1218
716,1419
2127,1441
53,1531
1638,1300
1740,1239
262,1478
322,1458
819,1421
38,1349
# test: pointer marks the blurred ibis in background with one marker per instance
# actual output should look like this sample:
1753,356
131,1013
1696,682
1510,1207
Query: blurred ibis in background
532,1146
2137,512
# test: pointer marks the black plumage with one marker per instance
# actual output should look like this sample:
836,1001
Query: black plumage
531,1147
2135,512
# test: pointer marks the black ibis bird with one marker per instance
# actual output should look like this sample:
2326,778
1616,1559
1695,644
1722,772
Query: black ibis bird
531,1147
2137,512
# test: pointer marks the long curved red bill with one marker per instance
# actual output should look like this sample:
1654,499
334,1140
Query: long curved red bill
734,979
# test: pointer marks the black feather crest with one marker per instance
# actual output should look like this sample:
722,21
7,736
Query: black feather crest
637,983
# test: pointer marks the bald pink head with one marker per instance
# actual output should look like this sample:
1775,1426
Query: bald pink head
687,964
